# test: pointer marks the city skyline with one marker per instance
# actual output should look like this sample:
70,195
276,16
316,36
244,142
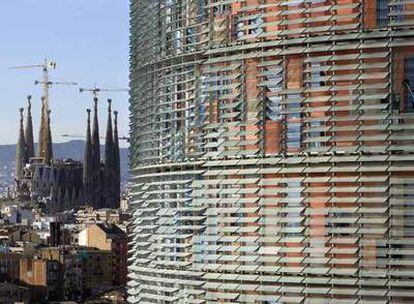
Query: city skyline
82,54
207,151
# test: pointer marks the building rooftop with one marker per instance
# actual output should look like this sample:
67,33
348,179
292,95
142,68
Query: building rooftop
111,229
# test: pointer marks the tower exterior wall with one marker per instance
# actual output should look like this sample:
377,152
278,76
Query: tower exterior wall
272,151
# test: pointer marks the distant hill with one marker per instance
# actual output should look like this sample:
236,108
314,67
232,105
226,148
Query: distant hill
73,149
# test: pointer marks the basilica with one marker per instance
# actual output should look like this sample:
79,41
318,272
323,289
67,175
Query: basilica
64,184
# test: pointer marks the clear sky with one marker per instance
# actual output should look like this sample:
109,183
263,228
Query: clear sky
89,41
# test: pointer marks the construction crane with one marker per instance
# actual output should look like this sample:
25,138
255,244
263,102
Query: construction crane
46,66
48,84
102,137
95,90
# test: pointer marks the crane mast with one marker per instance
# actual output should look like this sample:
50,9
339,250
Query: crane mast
45,67
45,83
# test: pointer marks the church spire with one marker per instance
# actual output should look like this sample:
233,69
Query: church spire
109,170
116,159
88,163
109,142
95,137
20,149
43,132
49,156
29,131
96,159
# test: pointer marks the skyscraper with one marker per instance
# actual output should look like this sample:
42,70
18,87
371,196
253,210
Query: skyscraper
272,151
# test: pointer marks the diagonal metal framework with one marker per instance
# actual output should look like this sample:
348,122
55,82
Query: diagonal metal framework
272,151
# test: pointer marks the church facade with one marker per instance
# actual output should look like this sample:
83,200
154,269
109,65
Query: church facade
63,184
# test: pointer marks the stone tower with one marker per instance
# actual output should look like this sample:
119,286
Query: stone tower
96,159
20,149
30,152
45,138
109,161
116,164
88,163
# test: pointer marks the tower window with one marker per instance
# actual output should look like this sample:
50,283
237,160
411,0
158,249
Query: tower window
382,13
408,84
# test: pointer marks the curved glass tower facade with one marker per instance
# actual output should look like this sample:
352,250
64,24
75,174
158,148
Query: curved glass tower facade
272,151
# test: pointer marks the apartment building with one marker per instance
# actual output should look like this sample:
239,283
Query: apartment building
84,270
108,238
